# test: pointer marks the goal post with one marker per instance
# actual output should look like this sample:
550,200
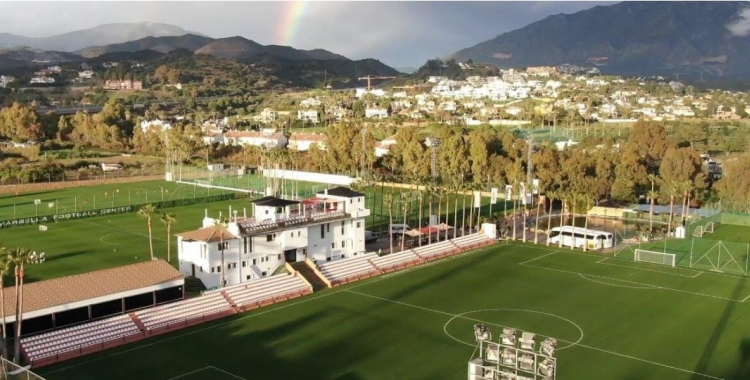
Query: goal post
709,228
698,231
654,257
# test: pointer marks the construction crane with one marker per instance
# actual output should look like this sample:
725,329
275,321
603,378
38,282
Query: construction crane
370,77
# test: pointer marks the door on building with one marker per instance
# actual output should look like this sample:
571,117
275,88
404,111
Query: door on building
290,255
193,270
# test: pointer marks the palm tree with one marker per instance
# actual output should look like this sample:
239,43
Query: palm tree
687,187
536,228
523,216
169,219
440,191
6,263
586,222
421,194
19,257
563,197
552,195
146,211
652,195
515,209
573,200
431,192
388,200
673,187
472,188
405,211
456,188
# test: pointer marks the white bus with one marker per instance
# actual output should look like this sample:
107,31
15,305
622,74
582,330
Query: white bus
576,237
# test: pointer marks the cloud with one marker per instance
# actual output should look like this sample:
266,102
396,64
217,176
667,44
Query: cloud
741,26
397,33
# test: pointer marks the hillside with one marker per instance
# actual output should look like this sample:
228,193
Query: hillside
165,44
631,38
97,36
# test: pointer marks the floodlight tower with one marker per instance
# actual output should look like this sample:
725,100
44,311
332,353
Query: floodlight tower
513,357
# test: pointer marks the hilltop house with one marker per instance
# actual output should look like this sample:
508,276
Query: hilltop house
376,113
123,85
146,125
303,141
327,227
266,116
308,115
266,138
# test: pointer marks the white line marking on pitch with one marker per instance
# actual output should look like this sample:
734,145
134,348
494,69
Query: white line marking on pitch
745,299
205,368
540,257
283,306
228,373
577,345
634,282
583,276
601,262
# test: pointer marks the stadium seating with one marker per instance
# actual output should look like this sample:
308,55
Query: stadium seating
471,241
344,270
269,288
435,250
396,260
77,337
181,311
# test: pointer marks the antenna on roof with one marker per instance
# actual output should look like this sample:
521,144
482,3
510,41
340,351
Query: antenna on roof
205,213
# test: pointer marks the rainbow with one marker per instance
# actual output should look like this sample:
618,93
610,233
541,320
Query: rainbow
290,21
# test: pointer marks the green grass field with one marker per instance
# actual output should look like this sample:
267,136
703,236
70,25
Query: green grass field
726,250
613,320
96,197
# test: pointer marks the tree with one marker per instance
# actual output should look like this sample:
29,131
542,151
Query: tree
146,211
19,257
552,195
650,141
169,219
388,200
733,188
6,263
682,164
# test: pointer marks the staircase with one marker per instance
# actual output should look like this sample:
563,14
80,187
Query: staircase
137,321
194,284
307,272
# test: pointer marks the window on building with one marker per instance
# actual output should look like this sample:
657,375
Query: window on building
255,262
291,234
218,269
244,263
224,245
212,269
270,237
333,245
266,212
299,233
342,227
263,274
322,232
248,277
328,227
234,265
279,257
248,244
359,225
343,243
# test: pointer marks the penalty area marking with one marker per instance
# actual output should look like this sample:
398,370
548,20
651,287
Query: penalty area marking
602,262
231,375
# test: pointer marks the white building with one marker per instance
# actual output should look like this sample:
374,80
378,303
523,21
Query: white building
148,124
42,80
266,138
86,74
325,228
376,113
308,115
310,102
303,141
4,80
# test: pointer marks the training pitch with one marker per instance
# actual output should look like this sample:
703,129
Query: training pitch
613,319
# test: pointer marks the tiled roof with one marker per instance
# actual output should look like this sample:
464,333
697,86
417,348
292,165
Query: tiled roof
80,287
208,234
307,137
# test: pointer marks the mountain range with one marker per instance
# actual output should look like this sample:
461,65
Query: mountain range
631,38
97,36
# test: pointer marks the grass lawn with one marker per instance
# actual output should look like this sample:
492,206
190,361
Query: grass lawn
625,321
96,197
727,250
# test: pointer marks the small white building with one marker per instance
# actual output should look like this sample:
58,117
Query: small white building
265,138
42,80
328,227
308,115
86,74
303,141
376,113
266,116
310,102
4,80
146,125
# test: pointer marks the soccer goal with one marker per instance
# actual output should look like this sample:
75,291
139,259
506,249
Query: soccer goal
655,257
709,228
698,231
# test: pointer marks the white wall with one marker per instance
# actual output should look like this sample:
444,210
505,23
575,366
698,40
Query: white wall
310,176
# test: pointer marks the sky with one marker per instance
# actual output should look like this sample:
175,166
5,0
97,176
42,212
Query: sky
400,34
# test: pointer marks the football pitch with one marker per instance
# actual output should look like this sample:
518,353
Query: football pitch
613,319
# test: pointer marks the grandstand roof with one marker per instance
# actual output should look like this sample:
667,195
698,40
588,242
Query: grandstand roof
341,191
208,234
61,291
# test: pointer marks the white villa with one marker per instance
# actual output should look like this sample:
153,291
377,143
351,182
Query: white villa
265,138
310,115
302,141
376,113
325,228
